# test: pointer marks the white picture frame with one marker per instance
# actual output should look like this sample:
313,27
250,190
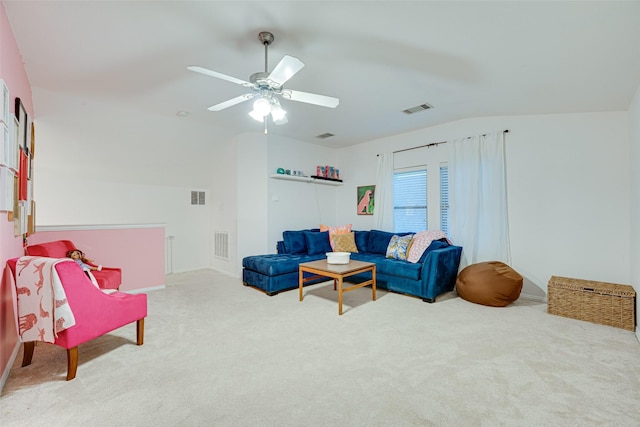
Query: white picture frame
5,143
4,106
12,159
6,189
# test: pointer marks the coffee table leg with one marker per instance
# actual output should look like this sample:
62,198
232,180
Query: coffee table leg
300,280
373,286
340,296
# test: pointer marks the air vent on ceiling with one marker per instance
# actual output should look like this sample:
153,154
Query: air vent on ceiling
420,107
325,135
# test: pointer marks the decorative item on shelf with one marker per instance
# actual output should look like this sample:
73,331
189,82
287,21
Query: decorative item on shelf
327,172
280,171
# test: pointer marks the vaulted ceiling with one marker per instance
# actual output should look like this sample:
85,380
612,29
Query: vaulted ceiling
466,59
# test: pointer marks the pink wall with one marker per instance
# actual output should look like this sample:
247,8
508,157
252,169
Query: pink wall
137,249
15,77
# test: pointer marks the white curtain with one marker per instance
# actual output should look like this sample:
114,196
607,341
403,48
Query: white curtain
478,198
383,196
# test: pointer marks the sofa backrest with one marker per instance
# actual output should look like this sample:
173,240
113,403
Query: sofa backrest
55,249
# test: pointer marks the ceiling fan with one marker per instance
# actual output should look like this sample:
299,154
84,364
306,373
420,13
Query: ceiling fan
267,87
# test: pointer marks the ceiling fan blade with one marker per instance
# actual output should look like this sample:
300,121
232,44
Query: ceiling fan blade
219,76
310,98
231,102
286,68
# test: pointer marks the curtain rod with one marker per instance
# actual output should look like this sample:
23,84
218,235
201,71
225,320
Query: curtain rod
431,144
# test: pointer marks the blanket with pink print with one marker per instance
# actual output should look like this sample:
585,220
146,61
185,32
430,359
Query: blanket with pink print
42,306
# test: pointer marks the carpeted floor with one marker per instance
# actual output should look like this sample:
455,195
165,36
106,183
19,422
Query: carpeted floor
217,353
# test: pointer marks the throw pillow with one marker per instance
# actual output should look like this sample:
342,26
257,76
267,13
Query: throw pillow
294,242
421,242
436,244
345,243
378,241
317,242
335,230
398,245
361,238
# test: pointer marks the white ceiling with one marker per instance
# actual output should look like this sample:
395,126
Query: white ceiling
467,59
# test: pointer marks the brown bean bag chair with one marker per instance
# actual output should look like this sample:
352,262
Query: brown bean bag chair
491,283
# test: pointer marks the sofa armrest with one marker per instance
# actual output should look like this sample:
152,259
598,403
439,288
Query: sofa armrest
440,270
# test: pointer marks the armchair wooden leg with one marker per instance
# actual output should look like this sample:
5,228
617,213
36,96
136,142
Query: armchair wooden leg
28,353
72,362
140,331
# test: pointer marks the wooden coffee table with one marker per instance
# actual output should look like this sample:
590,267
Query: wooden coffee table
338,272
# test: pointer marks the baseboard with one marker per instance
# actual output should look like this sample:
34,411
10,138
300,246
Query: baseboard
7,369
144,290
226,273
535,298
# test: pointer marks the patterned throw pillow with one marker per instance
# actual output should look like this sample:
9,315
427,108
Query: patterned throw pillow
334,230
345,243
421,242
398,246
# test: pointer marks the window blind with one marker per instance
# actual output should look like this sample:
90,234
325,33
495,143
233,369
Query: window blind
444,198
410,201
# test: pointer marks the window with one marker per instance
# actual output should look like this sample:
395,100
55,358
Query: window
410,200
444,198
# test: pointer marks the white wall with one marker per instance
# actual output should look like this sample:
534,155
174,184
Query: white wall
568,189
124,177
97,202
252,190
224,204
298,205
634,127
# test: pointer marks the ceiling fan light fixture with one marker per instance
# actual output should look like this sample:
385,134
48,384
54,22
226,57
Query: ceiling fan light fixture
279,116
256,116
262,106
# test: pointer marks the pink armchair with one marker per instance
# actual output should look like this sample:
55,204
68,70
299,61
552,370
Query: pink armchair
95,312
107,278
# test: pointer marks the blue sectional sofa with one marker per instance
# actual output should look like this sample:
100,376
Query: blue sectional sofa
434,274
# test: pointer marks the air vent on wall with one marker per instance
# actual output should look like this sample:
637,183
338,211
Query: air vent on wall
197,197
415,109
325,135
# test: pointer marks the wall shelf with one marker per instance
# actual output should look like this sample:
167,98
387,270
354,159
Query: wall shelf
306,179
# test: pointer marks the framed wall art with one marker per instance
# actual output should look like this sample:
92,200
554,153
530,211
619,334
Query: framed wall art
365,199
4,105
21,115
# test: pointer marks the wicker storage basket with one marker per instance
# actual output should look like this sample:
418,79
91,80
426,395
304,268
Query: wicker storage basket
598,302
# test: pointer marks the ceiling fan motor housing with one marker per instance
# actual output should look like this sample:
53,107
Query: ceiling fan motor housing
266,37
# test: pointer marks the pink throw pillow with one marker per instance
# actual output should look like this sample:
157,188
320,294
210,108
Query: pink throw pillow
336,229
421,242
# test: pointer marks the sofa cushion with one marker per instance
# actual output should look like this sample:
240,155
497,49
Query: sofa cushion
344,243
436,244
335,230
272,264
391,267
378,241
398,246
317,242
294,242
361,238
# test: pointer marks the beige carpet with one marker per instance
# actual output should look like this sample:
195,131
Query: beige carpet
217,353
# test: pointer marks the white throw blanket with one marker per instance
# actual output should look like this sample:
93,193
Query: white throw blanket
42,306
